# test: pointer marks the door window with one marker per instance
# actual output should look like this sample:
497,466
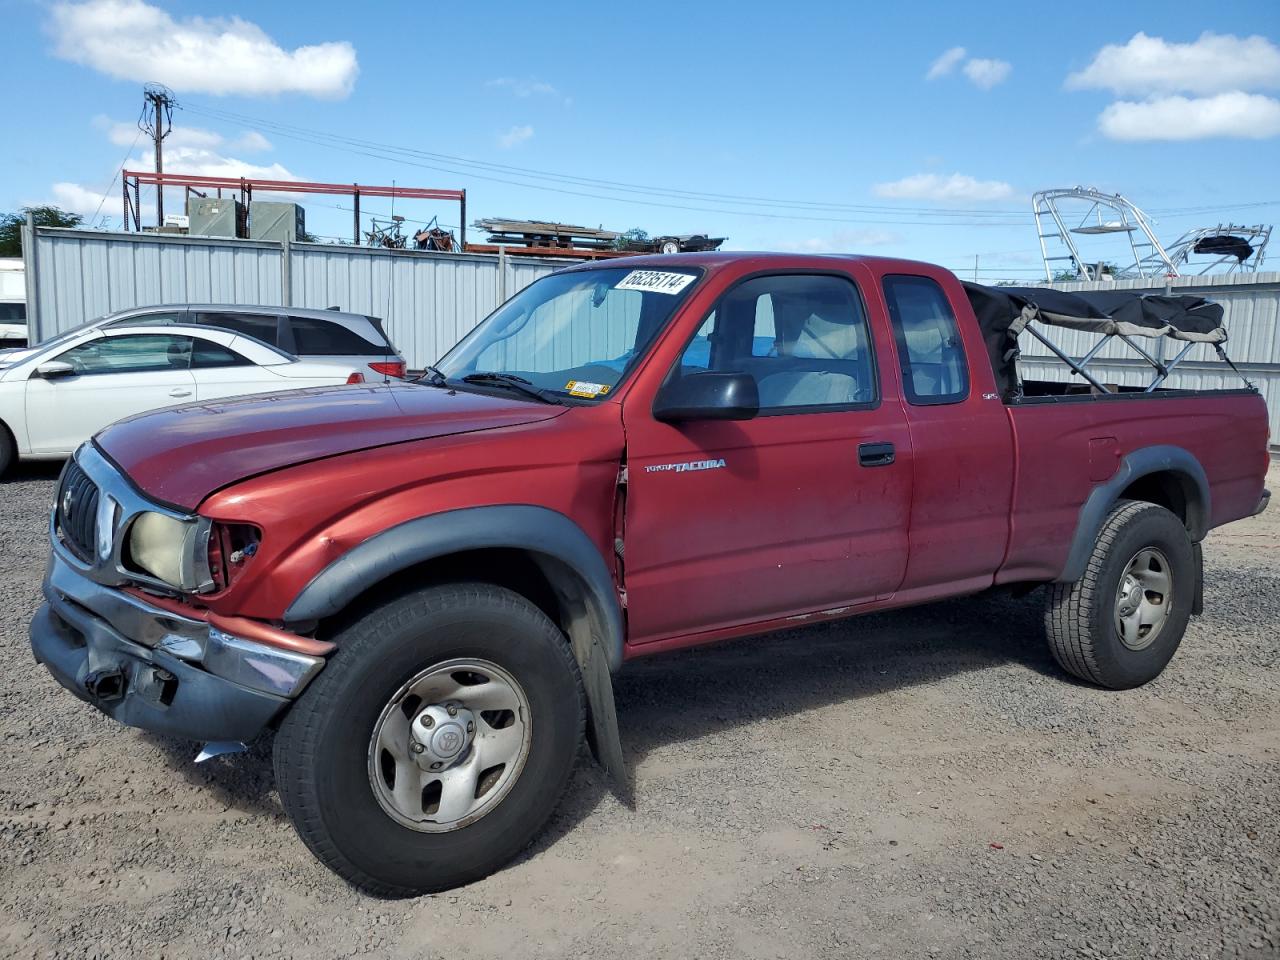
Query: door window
930,353
132,353
803,338
259,326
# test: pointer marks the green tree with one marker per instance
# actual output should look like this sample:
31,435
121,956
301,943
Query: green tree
11,226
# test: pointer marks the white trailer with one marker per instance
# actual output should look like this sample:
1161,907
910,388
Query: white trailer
13,303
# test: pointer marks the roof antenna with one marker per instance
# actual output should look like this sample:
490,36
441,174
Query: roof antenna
386,316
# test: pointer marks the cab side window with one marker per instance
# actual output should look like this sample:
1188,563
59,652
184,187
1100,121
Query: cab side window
934,370
803,338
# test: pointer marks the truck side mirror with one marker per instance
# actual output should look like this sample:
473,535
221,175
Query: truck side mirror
54,369
708,396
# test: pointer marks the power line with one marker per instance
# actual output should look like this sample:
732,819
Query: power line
119,170
1012,215
594,182
559,183
381,151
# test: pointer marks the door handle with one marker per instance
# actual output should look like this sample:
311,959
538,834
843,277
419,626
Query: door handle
179,392
879,454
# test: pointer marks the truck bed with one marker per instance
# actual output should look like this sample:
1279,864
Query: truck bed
1067,444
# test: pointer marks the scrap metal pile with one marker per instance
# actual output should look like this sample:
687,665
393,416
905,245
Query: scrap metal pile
545,238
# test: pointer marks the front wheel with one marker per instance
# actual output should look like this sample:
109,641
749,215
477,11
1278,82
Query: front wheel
437,741
8,450
1120,624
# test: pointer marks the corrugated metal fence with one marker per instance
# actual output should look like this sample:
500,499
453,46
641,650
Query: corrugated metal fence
1251,308
426,300
429,300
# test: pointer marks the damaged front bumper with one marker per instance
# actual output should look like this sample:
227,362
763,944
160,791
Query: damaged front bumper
151,668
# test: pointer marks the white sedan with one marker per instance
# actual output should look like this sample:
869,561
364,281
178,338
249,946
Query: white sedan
55,396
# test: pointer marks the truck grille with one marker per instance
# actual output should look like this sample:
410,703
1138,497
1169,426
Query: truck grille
77,512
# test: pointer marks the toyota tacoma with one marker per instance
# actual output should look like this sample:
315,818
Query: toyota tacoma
425,588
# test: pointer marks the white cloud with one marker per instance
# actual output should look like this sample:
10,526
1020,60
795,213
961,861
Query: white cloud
1215,63
251,141
515,136
189,150
524,87
77,199
127,134
191,139
132,40
843,241
986,74
947,62
1236,114
933,186
982,73
204,162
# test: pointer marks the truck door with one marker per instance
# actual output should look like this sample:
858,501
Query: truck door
801,509
960,434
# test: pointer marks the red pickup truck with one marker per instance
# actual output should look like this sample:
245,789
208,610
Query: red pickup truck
425,587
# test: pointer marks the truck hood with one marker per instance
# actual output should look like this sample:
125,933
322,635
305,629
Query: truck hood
180,455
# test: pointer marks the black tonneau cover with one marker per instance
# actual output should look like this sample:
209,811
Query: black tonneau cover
1004,312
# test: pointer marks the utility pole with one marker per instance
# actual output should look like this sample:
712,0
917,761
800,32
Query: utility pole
157,122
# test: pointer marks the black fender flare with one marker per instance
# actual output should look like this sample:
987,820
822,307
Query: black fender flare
1140,463
571,562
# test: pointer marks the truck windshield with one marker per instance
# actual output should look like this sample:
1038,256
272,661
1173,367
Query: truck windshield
574,334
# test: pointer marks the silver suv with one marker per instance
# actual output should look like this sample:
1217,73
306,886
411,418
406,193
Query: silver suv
349,339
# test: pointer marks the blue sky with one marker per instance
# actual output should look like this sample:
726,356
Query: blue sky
915,129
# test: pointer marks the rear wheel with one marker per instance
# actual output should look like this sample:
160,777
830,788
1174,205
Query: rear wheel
1120,624
434,746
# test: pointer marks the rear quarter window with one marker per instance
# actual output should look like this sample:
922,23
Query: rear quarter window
206,354
325,338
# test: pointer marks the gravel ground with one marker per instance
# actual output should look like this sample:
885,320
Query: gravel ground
907,785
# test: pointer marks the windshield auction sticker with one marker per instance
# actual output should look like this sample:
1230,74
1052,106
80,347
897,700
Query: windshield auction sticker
655,281
581,388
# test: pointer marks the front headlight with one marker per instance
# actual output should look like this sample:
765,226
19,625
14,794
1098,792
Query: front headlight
171,550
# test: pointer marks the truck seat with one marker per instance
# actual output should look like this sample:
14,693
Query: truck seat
799,388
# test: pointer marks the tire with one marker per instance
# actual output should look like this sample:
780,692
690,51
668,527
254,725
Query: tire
1082,618
8,450
670,246
326,760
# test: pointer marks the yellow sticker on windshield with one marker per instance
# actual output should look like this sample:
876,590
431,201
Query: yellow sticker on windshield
581,388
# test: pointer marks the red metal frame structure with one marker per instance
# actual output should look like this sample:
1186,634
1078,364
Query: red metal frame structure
246,186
